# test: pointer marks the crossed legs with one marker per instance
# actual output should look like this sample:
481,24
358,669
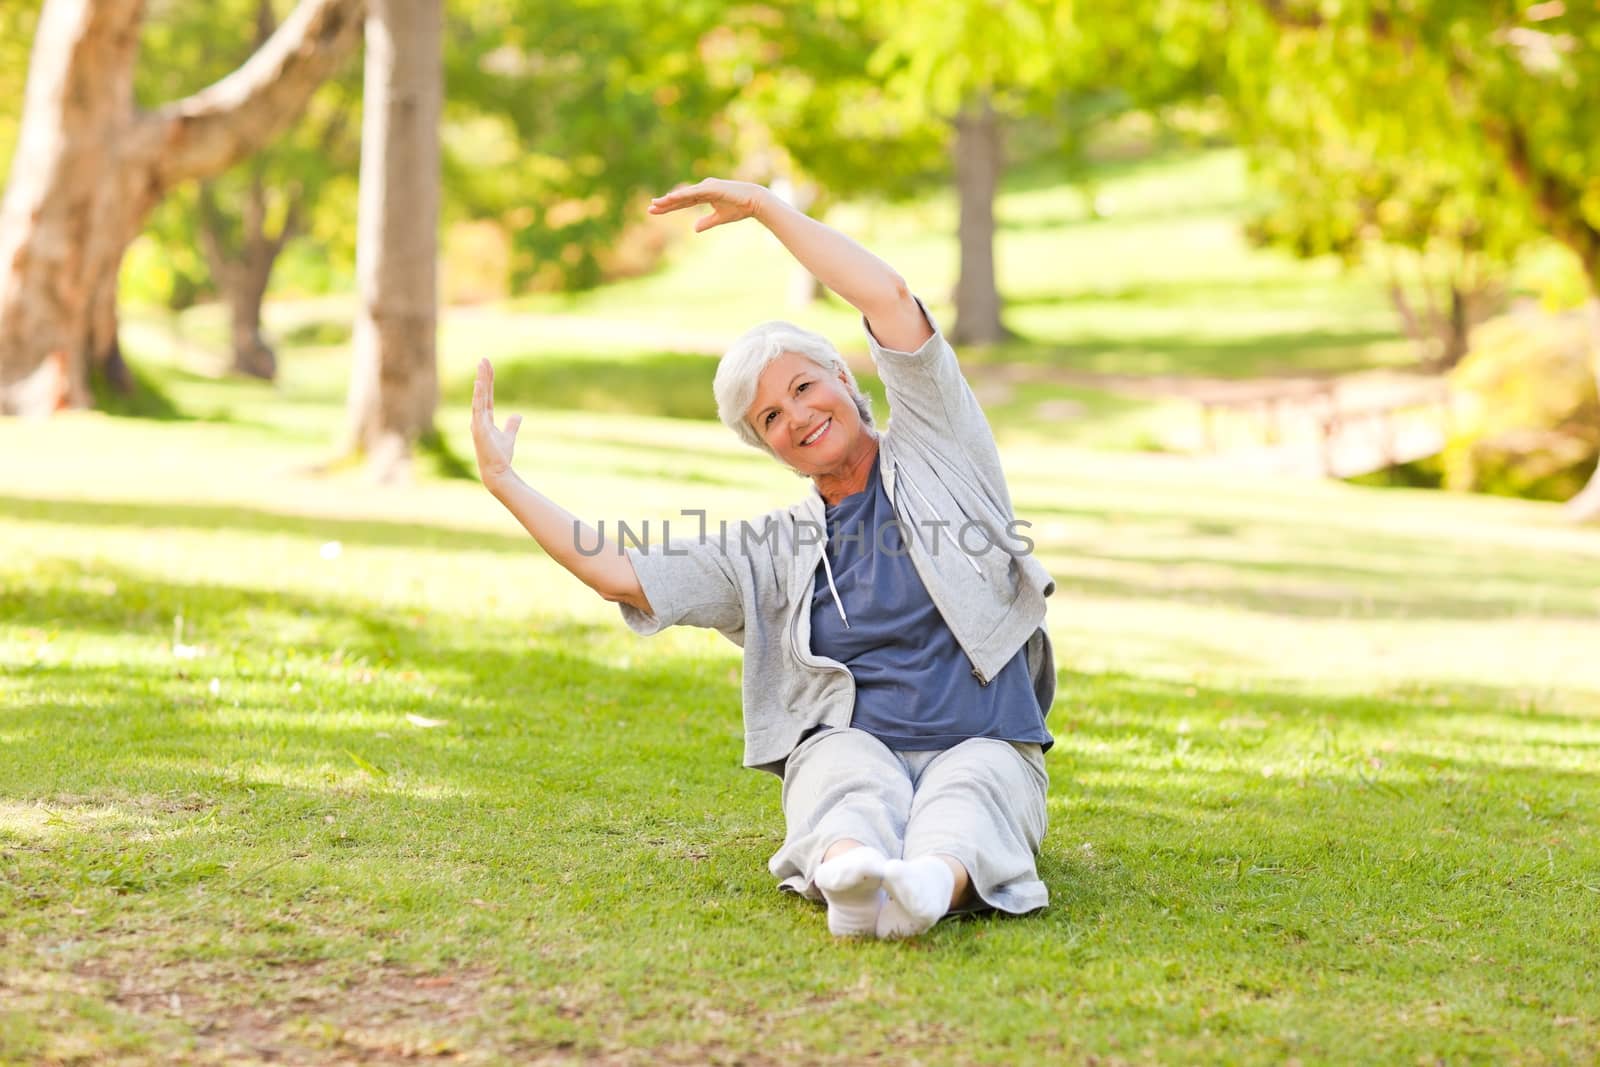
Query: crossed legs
891,841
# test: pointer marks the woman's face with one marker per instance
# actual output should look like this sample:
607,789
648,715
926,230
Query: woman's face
806,415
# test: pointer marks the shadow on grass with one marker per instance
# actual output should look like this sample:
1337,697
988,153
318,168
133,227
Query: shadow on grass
1299,352
670,384
1281,291
1307,572
144,399
1308,587
1163,158
1203,840
1347,592
252,520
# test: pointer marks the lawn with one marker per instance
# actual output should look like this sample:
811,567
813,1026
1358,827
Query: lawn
1325,785
296,768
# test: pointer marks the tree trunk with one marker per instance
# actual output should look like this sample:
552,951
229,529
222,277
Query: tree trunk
247,288
242,268
394,383
89,167
979,161
804,289
57,225
1457,339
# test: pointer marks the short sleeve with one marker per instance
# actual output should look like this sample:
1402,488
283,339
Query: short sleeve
931,404
687,584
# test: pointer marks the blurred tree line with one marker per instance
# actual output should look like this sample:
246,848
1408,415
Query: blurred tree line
1440,143
1433,142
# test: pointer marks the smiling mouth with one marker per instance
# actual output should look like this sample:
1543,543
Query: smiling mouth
818,432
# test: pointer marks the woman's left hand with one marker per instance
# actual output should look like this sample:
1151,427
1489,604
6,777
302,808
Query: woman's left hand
731,201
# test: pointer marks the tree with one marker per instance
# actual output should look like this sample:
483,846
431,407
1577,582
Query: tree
225,234
1466,85
242,220
562,120
806,117
1443,246
90,166
971,63
956,74
394,381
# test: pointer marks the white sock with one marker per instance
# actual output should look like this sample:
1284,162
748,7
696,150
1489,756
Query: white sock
919,896
852,884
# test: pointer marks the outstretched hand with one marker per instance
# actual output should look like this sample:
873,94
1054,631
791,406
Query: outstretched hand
730,201
493,445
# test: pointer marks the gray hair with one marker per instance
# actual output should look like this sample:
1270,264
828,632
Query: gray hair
741,367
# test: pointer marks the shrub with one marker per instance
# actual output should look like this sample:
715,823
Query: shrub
1528,412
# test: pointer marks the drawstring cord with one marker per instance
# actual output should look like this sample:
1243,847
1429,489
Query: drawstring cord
837,603
937,530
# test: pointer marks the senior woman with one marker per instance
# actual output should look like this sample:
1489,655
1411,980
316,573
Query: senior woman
896,667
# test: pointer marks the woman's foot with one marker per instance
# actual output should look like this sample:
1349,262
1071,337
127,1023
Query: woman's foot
852,884
920,893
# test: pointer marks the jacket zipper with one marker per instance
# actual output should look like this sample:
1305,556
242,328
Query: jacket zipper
793,633
976,673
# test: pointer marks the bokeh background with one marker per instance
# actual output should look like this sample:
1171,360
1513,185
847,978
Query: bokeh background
1284,315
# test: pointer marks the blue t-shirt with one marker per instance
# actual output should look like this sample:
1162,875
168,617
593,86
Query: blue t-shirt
915,689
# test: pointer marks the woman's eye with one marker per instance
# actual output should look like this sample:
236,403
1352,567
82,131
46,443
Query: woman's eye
801,387
768,420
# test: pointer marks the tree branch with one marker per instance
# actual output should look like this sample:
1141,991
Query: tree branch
1559,202
205,134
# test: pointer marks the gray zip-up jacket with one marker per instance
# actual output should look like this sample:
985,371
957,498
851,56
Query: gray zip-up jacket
941,472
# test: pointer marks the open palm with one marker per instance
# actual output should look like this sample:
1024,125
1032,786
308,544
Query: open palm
493,445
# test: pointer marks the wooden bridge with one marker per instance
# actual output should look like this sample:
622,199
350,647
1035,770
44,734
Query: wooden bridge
1330,428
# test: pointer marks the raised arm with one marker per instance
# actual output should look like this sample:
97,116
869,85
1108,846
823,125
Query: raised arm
607,571
866,282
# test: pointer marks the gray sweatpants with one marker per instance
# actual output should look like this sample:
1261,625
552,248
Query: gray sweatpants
981,802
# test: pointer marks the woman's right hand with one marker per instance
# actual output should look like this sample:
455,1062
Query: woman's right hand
730,201
493,445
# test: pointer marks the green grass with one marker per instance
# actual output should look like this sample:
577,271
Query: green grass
1324,788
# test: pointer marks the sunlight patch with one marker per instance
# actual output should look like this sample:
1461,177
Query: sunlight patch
41,822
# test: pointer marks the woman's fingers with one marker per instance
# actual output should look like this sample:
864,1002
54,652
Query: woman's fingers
701,192
483,396
513,424
665,204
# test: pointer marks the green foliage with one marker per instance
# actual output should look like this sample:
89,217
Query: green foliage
804,103
1529,415
559,120
310,170
562,118
17,18
1432,125
148,399
163,266
946,54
